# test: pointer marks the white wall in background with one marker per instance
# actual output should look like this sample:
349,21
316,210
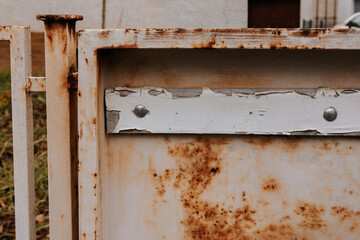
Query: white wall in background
133,13
23,12
345,9
146,13
179,13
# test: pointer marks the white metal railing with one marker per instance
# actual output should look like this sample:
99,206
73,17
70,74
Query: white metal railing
62,119
22,122
60,85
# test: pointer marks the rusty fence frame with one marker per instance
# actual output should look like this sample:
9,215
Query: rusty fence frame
91,41
69,125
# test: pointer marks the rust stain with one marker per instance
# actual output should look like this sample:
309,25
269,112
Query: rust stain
180,30
167,140
343,30
160,185
344,213
65,48
277,232
261,142
105,33
328,145
157,179
72,79
208,45
93,121
309,33
277,45
271,185
311,215
198,163
276,32
325,146
130,45
347,216
81,130
290,144
160,30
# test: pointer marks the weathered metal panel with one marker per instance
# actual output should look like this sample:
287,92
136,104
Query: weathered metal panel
232,111
213,187
237,187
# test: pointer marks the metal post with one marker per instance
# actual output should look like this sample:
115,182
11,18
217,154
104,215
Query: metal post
60,63
22,120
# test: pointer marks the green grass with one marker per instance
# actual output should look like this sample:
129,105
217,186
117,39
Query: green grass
7,209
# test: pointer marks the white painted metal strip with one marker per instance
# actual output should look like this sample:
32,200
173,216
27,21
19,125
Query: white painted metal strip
36,84
22,120
246,38
226,111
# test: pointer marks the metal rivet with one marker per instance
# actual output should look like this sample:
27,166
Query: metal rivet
140,111
330,114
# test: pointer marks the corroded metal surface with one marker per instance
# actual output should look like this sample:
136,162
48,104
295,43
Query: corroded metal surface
244,38
230,188
224,187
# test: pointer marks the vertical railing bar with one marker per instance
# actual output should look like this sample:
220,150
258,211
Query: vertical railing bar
22,121
60,63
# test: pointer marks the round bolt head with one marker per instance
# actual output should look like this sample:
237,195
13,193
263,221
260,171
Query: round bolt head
140,111
330,114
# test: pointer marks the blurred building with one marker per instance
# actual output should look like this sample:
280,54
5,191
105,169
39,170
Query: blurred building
171,13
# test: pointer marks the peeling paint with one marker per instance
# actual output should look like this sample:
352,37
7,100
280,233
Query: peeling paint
134,131
235,111
113,117
154,92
